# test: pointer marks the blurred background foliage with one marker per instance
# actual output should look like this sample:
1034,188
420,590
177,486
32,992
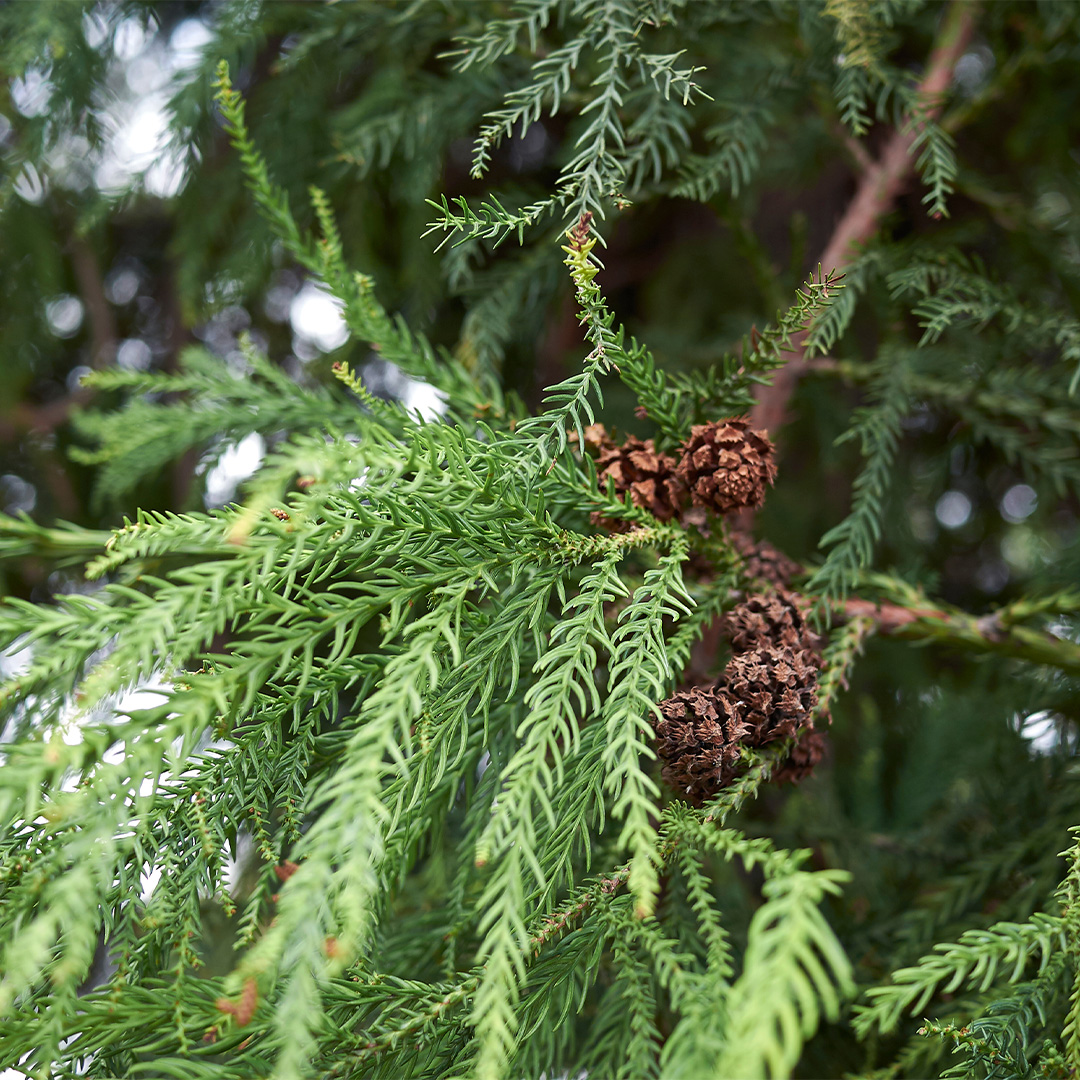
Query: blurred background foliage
126,236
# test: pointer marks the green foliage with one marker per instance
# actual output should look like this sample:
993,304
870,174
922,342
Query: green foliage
852,541
356,776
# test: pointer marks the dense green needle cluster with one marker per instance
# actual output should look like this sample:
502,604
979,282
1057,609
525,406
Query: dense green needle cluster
386,726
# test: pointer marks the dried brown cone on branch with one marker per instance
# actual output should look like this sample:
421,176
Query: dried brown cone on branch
727,465
639,468
776,690
773,618
805,754
774,667
764,562
701,731
768,692
698,737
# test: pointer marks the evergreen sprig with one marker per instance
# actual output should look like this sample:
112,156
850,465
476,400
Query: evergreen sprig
358,775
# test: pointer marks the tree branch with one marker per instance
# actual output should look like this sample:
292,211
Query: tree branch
991,633
24,419
882,181
103,333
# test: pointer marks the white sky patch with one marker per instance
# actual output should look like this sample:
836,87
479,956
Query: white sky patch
134,354
148,72
357,482
315,317
236,464
165,178
15,661
122,285
148,881
187,42
146,696
139,150
30,94
1018,503
115,754
953,509
416,395
31,185
1041,730
64,315
139,146
423,398
236,859
131,38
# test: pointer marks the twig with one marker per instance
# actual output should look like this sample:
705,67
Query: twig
43,419
26,419
881,183
960,629
103,333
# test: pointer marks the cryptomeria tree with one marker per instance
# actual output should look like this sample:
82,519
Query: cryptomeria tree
647,646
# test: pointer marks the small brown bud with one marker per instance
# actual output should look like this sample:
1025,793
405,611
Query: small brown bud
244,1009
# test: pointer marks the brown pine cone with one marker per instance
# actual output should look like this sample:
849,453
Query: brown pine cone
637,467
727,466
768,692
770,618
761,560
776,691
806,753
698,738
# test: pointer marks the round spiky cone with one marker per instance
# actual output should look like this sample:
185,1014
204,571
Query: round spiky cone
768,692
761,560
773,618
698,739
727,466
776,690
638,468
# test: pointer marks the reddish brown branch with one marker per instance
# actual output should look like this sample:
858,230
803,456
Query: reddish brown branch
1000,633
103,334
25,419
881,182
993,634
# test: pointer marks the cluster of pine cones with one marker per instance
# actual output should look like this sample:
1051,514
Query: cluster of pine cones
723,466
768,691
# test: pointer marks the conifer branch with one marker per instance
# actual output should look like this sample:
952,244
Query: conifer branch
976,960
994,634
389,725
